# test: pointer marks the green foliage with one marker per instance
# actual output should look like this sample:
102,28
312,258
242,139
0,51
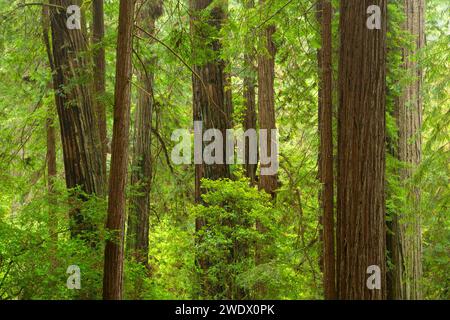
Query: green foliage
33,262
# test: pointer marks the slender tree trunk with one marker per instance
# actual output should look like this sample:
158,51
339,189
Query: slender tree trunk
138,219
361,151
114,251
249,119
326,148
51,173
250,105
79,133
98,30
51,149
209,104
405,242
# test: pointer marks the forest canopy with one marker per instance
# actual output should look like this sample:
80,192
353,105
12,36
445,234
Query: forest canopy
224,149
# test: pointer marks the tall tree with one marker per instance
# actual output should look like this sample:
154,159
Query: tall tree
266,115
138,224
98,33
266,97
114,250
209,98
249,102
326,147
361,152
51,147
81,146
405,246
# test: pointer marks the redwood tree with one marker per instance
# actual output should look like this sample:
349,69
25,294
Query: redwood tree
209,98
266,115
250,116
114,251
138,224
83,165
98,32
405,246
210,105
361,151
266,99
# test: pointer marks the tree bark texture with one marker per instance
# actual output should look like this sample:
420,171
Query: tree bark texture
266,100
405,246
98,33
77,117
361,151
138,219
114,251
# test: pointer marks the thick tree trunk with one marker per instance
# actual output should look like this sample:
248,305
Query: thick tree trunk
209,98
405,241
326,148
114,251
209,101
98,32
266,101
79,133
361,151
266,115
138,219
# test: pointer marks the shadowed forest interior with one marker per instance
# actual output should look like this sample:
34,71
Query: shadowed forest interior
106,107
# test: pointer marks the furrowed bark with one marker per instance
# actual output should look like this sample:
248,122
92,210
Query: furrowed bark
98,33
114,250
79,133
405,245
361,151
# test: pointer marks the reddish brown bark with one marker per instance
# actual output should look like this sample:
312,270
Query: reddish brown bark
249,117
209,98
266,115
114,251
209,101
404,238
361,151
79,133
138,219
266,101
98,32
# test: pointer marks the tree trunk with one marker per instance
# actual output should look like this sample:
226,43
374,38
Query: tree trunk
249,119
51,150
209,99
405,240
138,223
114,251
266,101
249,105
79,134
209,102
326,148
361,151
266,114
98,32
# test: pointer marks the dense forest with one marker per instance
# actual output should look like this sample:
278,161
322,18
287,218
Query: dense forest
224,149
